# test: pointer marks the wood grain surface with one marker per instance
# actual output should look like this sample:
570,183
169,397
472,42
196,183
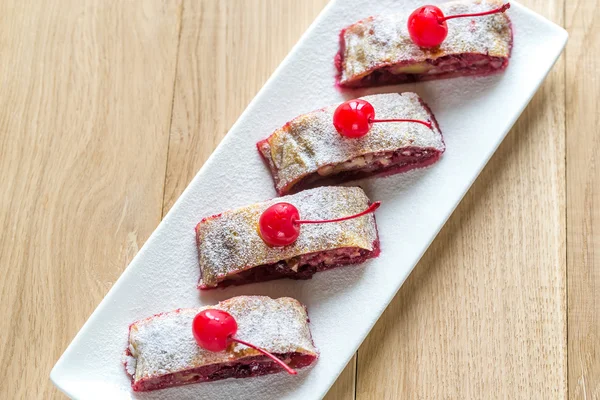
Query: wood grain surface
583,198
108,109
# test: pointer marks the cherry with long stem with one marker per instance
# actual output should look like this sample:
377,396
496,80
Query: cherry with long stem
354,119
279,225
214,330
427,25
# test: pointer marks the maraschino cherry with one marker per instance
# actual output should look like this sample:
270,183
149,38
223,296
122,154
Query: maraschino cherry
279,225
214,330
354,118
427,24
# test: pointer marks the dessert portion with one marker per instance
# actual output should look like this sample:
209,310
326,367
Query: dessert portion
231,250
164,350
310,151
380,50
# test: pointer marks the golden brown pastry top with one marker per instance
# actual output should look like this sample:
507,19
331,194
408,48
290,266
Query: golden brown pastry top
229,242
164,343
310,141
383,40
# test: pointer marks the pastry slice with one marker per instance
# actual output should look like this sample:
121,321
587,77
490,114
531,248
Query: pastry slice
231,250
162,351
378,50
308,151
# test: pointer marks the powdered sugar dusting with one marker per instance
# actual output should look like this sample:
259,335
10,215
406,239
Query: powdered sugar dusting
164,344
229,243
130,364
383,40
310,141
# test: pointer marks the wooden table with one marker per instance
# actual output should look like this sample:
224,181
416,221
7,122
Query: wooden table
108,108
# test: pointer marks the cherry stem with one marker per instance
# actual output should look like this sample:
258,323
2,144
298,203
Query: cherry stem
494,11
266,353
426,123
371,208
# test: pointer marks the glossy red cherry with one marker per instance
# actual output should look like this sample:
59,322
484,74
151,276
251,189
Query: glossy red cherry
354,118
214,330
279,225
427,25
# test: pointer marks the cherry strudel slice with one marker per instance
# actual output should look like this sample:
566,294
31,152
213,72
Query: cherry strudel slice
232,252
379,51
162,351
309,151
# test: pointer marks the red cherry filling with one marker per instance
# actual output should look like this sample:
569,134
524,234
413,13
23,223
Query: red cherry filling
214,329
354,118
279,225
427,25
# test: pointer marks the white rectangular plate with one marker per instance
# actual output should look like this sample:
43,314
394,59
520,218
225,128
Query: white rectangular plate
475,114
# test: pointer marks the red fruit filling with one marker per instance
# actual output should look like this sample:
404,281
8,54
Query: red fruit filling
444,67
300,268
382,164
244,368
